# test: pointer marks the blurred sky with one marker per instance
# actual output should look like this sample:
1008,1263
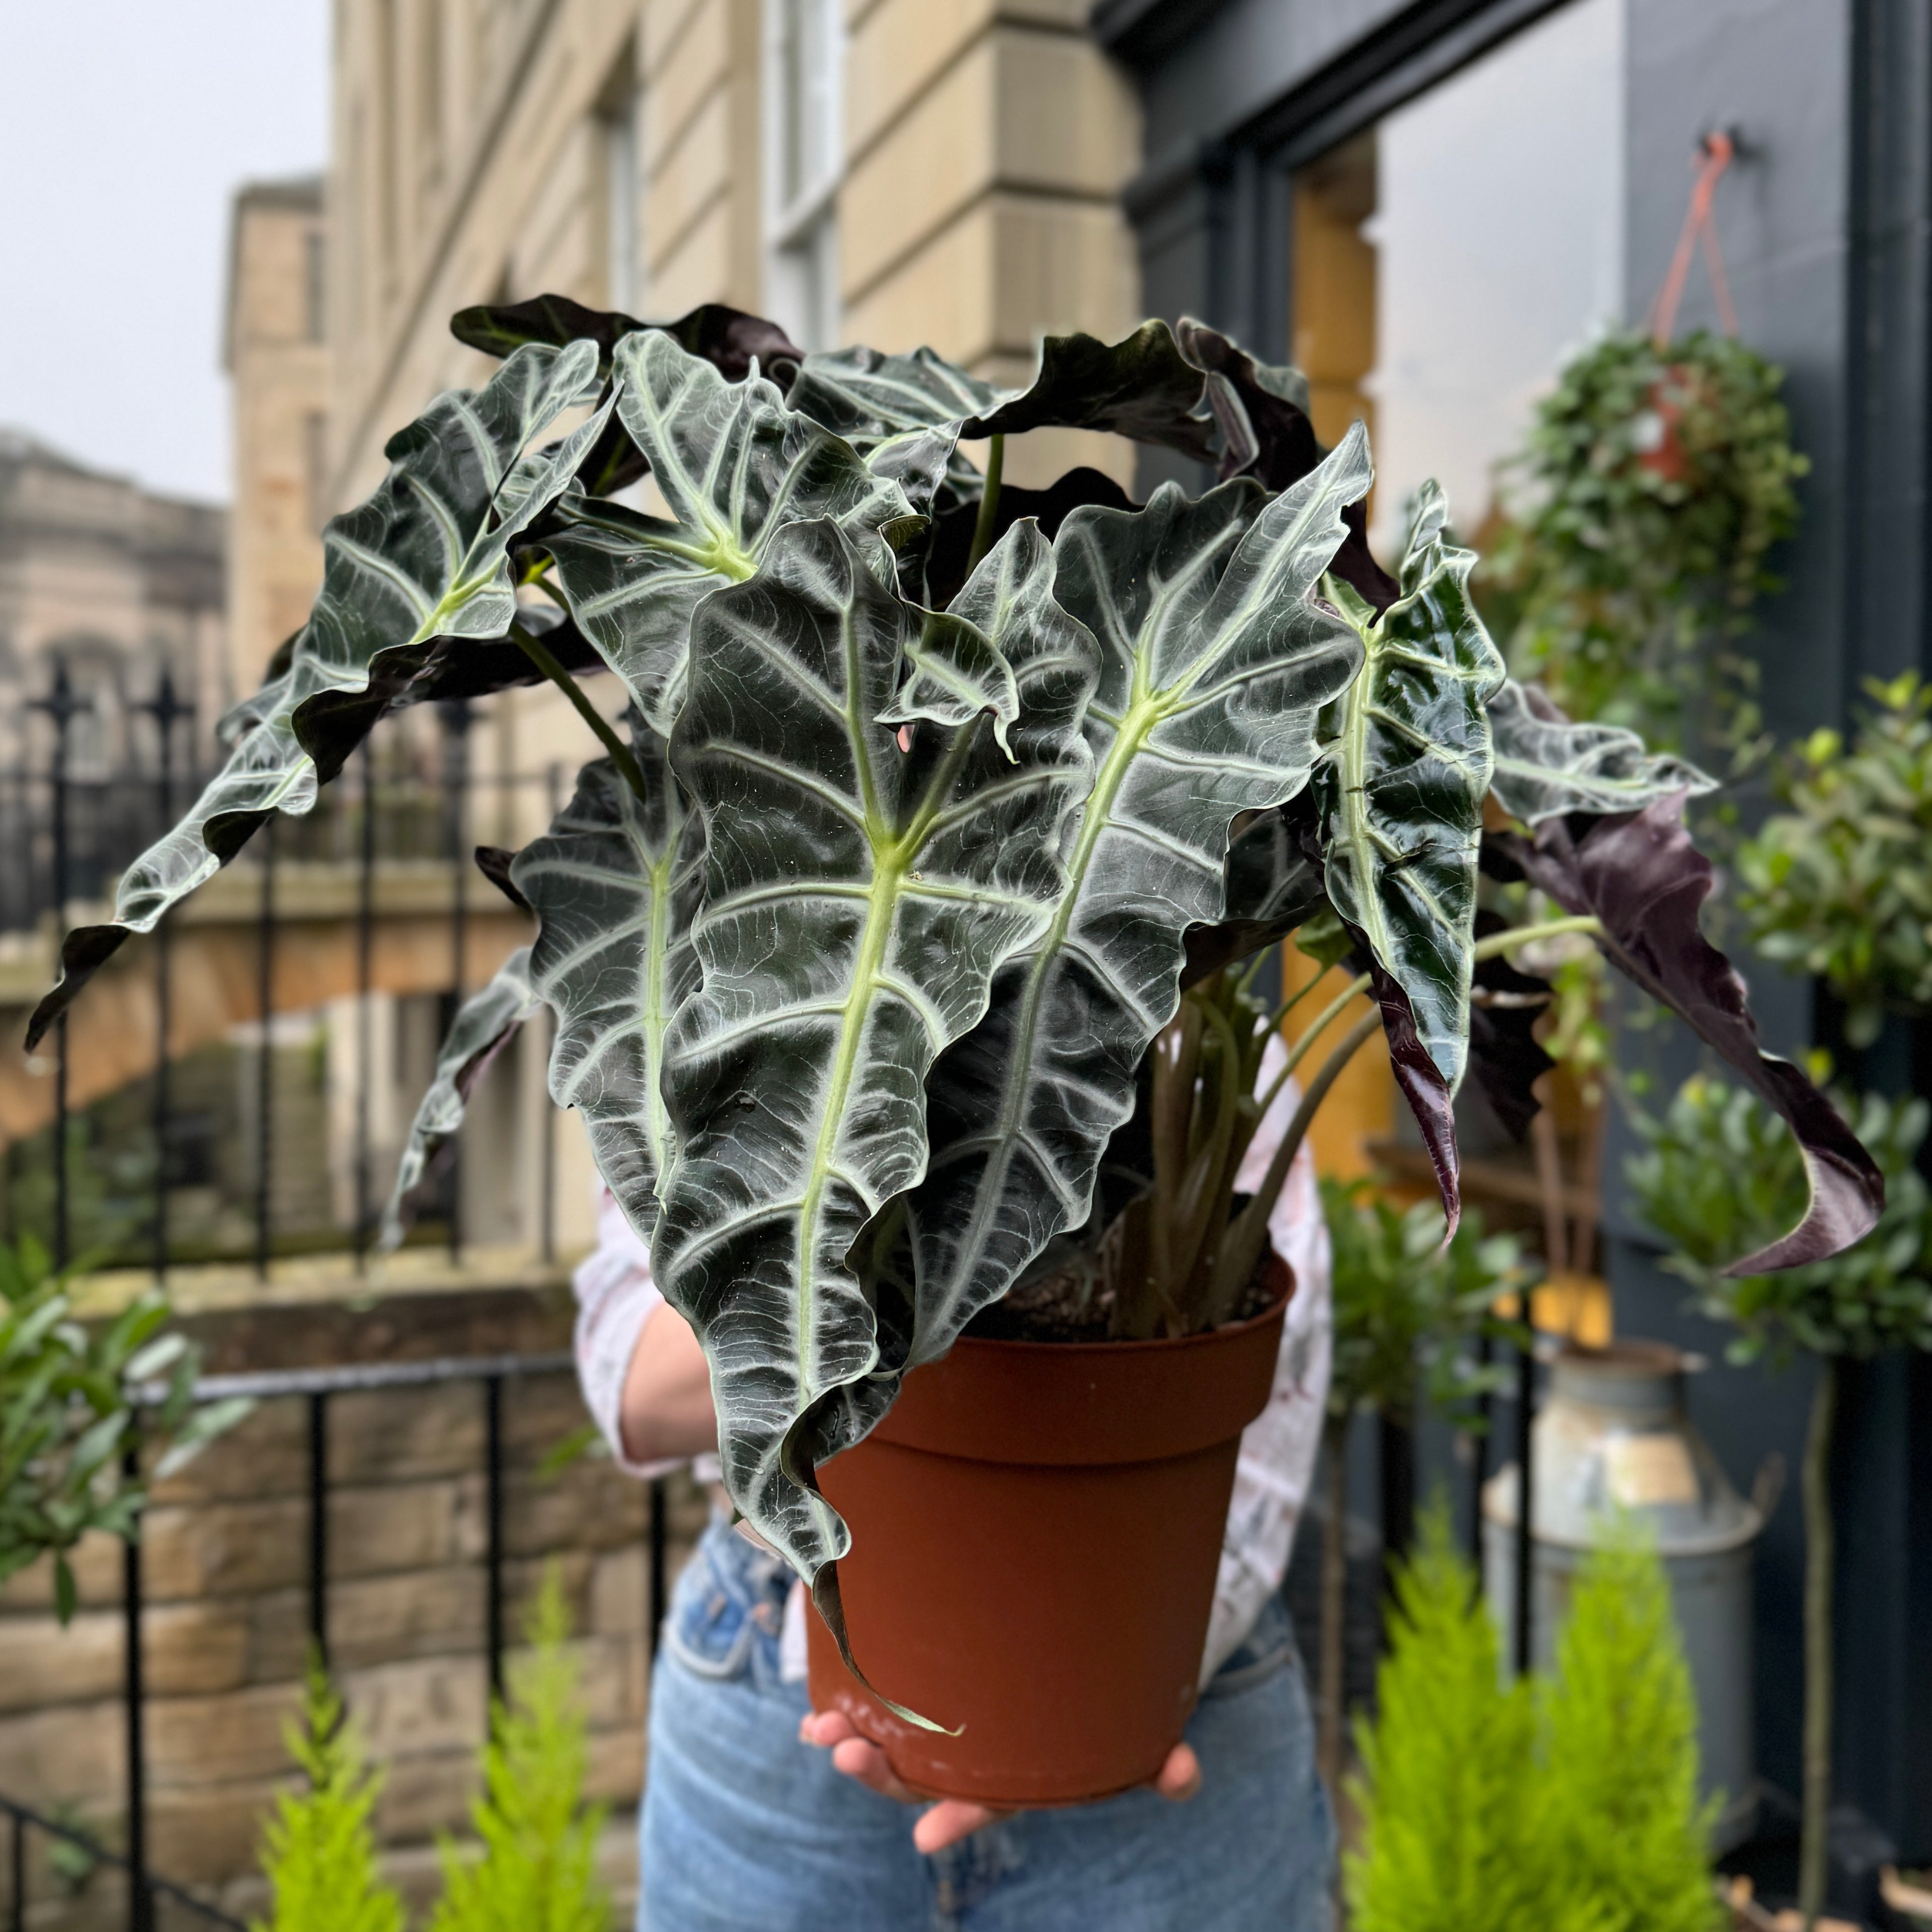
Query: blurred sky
125,127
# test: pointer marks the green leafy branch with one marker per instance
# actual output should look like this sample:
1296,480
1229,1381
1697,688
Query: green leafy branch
77,1404
1840,884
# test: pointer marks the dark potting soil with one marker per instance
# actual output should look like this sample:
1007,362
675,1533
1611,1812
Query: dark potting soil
1063,1307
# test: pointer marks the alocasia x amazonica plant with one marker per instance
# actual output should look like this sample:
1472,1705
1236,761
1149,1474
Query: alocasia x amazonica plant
936,796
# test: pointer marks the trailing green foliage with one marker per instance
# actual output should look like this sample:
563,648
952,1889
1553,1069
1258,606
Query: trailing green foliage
1839,885
1719,1169
1405,1305
68,1416
1653,488
1571,1804
318,1850
537,1870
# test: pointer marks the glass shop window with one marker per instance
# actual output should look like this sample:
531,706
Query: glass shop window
1449,260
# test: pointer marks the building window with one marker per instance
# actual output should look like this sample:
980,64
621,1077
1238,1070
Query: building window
619,114
315,466
1442,274
804,51
315,309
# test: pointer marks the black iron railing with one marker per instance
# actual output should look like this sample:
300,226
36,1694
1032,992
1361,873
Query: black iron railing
145,1892
316,1388
65,834
413,799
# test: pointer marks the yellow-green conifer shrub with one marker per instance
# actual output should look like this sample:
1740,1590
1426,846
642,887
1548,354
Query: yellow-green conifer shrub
319,1853
1621,1820
537,1870
1446,1845
1566,1805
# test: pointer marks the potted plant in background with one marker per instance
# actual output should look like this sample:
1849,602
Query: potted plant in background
1642,512
1839,884
937,796
1716,1171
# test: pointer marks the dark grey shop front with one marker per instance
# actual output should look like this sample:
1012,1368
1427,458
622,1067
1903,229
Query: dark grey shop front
1823,225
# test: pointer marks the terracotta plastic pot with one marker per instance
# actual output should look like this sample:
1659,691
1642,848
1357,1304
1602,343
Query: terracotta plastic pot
1036,1529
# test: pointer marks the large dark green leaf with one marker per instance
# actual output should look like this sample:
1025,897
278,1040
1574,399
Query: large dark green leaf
1546,765
734,466
858,900
484,1025
872,400
419,570
1216,659
1639,873
615,883
1142,386
726,338
1405,763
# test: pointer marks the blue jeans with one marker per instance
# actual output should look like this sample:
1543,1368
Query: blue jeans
744,1827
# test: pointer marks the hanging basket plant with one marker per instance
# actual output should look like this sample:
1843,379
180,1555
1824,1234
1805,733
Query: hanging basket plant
1641,518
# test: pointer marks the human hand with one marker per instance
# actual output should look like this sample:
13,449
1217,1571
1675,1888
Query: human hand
949,1820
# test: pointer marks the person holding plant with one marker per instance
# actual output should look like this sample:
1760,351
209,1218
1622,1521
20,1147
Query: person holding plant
744,1823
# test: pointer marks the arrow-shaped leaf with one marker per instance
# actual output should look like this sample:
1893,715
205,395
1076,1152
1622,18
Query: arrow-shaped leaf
1216,659
424,563
734,465
484,1025
858,900
615,884
1546,765
1405,764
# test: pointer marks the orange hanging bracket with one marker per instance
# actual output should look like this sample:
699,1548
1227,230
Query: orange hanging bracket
1714,153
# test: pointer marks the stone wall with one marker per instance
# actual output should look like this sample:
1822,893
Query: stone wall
225,1568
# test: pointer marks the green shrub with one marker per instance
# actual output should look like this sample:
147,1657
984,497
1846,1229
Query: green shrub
1839,884
537,1870
1568,1805
1719,1175
1442,1786
68,1426
1622,1826
319,1853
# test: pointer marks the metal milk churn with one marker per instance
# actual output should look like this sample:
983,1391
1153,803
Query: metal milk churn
1613,1438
